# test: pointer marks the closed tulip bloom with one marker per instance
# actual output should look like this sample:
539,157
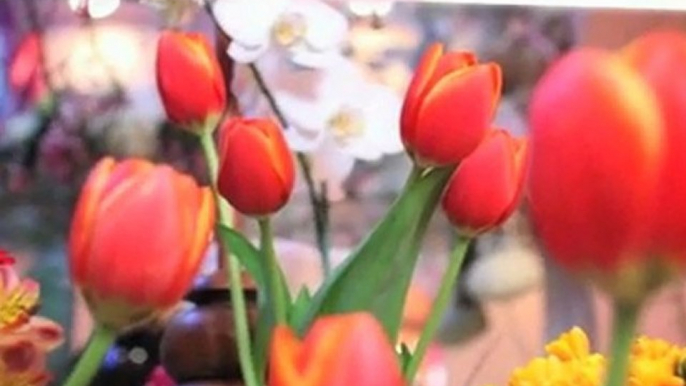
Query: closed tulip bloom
189,79
137,239
660,58
596,155
339,350
486,187
256,171
449,106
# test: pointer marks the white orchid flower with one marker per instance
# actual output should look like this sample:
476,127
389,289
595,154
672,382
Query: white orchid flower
345,118
359,118
311,31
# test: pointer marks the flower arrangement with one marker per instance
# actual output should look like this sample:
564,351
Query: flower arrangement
600,172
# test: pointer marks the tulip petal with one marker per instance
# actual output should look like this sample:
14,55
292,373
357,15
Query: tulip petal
143,204
339,350
660,58
456,113
255,158
84,217
199,205
450,62
422,76
596,152
485,188
186,61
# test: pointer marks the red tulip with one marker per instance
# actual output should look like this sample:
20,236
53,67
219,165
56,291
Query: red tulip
256,172
597,150
660,58
449,106
26,72
486,187
189,78
339,350
137,238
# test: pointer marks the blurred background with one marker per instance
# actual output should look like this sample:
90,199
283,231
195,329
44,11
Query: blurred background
76,84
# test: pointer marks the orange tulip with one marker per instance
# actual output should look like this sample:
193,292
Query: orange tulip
137,238
339,350
660,58
189,79
256,171
449,106
486,187
597,148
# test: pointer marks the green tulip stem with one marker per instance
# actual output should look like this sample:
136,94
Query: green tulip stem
233,266
439,306
91,359
624,323
274,271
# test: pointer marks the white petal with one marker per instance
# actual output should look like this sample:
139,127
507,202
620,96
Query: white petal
326,27
304,114
313,59
382,117
362,149
245,54
342,77
333,167
303,141
248,22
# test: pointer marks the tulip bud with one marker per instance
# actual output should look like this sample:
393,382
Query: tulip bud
256,171
660,58
137,239
449,106
597,145
486,187
339,350
189,79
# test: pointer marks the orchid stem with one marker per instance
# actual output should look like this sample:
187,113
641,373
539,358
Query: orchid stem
624,323
439,307
318,200
274,271
320,212
91,359
233,267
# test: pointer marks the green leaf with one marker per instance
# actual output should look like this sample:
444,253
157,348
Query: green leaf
249,256
377,275
253,260
405,357
300,306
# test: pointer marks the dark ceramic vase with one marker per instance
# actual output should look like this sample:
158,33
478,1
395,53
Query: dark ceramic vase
198,346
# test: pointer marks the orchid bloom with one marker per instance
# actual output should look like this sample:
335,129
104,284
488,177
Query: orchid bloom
346,118
24,338
309,30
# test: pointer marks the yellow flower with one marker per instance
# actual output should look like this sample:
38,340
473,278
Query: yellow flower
570,362
654,363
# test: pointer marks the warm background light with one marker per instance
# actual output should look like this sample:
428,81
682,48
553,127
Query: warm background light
96,9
